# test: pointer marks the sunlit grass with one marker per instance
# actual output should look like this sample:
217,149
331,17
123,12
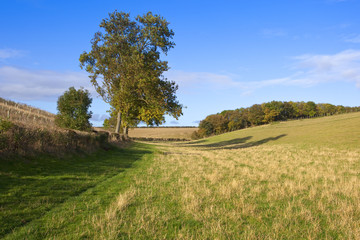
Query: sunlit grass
260,192
292,180
273,182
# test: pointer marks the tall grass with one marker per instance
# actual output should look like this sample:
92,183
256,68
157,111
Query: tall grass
22,113
26,141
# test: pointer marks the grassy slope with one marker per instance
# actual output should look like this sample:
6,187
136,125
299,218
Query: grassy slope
293,180
340,131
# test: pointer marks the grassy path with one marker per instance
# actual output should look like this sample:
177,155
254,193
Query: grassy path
47,197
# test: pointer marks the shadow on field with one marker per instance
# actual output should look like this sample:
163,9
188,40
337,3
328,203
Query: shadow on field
29,187
226,143
238,143
195,142
255,143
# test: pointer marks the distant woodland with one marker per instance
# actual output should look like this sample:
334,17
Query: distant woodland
259,114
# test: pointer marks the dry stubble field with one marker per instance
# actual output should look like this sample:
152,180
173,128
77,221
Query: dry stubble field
280,181
164,132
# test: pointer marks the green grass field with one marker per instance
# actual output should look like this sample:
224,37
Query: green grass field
289,180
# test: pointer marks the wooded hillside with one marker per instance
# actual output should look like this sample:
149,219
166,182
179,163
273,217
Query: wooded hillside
258,114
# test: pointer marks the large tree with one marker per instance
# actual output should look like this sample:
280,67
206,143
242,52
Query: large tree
126,70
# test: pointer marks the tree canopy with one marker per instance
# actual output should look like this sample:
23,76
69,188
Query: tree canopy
73,107
126,70
264,113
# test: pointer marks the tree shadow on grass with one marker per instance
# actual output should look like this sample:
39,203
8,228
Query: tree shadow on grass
195,142
255,143
29,187
227,142
238,143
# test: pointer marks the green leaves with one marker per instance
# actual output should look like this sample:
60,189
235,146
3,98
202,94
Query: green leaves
126,70
73,108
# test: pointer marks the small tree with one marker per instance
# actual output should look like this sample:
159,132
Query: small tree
73,107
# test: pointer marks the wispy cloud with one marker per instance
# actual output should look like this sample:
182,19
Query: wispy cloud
341,67
99,117
313,69
308,70
7,53
273,32
24,84
352,39
201,80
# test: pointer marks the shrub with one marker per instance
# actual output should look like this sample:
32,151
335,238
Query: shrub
5,125
73,108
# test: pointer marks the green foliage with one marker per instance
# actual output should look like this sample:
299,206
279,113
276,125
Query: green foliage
5,125
73,107
125,68
231,120
256,115
110,123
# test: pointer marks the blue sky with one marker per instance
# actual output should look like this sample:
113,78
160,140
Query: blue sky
228,54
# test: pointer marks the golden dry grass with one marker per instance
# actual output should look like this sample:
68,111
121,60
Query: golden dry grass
22,113
263,192
168,132
247,189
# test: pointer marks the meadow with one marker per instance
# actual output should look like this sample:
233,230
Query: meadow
289,180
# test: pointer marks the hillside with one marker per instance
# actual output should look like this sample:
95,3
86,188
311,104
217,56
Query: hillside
25,114
289,180
339,131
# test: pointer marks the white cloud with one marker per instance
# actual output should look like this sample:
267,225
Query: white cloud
10,53
340,67
309,70
24,84
195,80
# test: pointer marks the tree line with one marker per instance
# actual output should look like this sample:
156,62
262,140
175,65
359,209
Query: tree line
259,114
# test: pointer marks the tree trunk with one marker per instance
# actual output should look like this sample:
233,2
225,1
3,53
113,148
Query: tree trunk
126,132
118,123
